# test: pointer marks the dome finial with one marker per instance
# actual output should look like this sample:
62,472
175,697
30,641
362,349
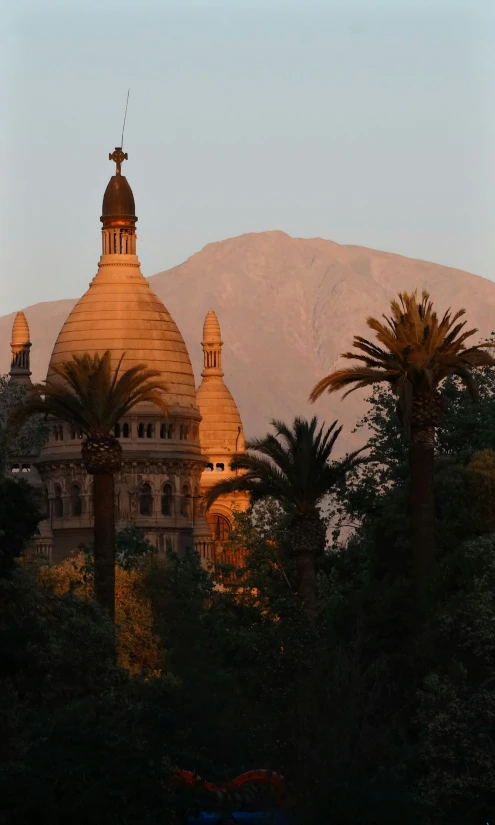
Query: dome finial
118,156
118,212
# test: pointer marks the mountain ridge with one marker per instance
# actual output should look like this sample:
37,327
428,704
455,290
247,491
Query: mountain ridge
287,308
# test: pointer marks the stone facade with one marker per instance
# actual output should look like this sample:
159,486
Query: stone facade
168,462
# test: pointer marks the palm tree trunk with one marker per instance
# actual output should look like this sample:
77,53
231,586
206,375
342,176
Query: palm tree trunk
306,575
421,459
308,543
104,541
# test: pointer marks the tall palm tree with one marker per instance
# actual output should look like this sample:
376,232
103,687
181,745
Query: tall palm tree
87,393
292,466
416,351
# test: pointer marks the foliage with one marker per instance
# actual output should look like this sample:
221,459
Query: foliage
293,466
91,396
456,713
26,440
19,519
138,649
381,711
374,499
416,352
131,546
79,739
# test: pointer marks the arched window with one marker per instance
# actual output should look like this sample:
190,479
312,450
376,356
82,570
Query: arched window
75,500
220,527
26,468
61,432
46,503
116,431
58,504
219,467
209,468
186,432
145,500
55,433
14,468
72,432
167,500
185,502
171,431
149,431
125,430
141,430
181,432
163,431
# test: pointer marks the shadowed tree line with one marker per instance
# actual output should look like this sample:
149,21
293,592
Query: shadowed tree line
355,655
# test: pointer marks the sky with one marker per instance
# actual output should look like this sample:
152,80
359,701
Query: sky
368,123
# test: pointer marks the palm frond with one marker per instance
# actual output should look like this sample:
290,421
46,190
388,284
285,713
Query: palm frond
292,465
414,352
87,393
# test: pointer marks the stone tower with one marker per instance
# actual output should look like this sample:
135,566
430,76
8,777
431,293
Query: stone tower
220,432
20,371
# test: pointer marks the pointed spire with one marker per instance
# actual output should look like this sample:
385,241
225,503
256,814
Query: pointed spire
212,346
20,367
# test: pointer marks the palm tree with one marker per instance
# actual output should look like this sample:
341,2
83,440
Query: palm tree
293,466
94,398
416,351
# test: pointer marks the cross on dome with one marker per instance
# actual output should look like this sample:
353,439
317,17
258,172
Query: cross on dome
118,156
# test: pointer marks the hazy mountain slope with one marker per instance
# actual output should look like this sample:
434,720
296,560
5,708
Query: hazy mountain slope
287,308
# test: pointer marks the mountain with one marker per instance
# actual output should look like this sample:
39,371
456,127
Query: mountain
287,307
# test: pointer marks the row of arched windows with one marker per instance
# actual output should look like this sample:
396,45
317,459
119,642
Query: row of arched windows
147,430
75,501
166,501
145,501
20,468
58,432
121,431
219,467
144,430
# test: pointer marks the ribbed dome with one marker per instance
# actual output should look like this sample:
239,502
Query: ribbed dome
20,332
221,426
118,200
121,313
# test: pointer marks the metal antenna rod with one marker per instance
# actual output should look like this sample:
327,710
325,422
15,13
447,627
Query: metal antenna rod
125,115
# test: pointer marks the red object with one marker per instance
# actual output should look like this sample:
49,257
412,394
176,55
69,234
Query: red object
262,776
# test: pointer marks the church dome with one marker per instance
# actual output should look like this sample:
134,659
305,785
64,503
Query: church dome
118,200
120,312
220,430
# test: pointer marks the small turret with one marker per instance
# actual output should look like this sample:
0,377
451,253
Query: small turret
20,367
220,433
118,212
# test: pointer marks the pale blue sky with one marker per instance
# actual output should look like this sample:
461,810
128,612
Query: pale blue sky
370,123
